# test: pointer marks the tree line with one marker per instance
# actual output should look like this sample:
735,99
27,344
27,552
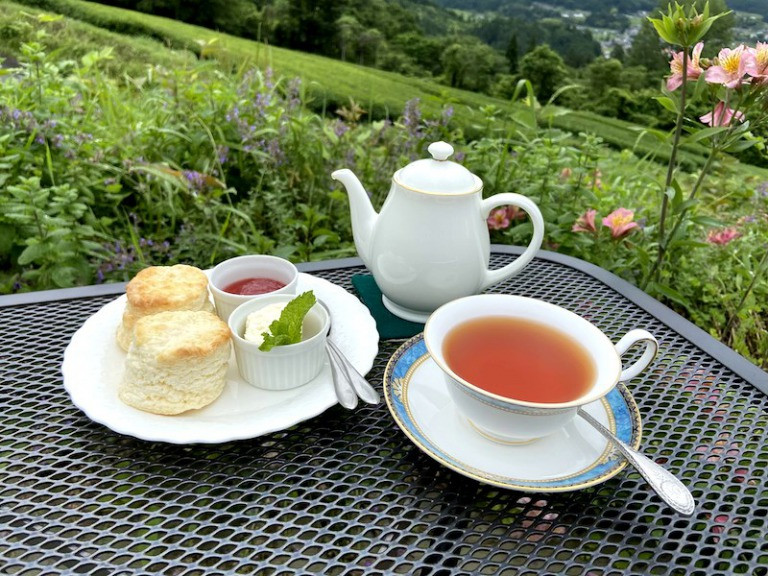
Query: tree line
489,54
404,36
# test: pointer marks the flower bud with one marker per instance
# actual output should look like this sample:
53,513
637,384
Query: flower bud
681,29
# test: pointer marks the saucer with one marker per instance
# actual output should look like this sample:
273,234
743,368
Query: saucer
572,458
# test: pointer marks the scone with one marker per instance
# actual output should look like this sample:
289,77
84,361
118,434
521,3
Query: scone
177,361
159,289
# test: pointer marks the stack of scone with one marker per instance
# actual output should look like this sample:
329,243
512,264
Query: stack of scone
161,289
178,349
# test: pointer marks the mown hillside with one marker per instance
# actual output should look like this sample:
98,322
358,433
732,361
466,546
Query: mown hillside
332,84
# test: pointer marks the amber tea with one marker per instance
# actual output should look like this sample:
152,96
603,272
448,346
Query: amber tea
519,359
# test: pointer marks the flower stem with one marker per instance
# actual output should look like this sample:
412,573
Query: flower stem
670,171
734,315
664,245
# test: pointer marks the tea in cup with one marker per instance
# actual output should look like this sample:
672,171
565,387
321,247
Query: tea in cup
518,368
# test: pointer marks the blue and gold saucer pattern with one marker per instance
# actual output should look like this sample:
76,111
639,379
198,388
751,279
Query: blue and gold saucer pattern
571,459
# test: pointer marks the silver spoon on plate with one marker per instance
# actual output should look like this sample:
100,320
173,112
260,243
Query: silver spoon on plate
347,381
663,482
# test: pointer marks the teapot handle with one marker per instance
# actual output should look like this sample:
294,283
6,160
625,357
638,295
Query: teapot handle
495,276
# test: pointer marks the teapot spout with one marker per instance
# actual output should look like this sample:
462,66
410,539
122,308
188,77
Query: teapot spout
362,212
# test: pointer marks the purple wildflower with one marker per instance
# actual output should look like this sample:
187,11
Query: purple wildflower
351,160
275,152
262,102
222,153
233,114
83,137
122,259
447,115
195,179
340,128
293,92
412,117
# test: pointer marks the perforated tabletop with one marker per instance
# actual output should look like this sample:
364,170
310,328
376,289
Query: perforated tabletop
346,492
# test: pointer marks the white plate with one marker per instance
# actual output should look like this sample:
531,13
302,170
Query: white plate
94,364
570,459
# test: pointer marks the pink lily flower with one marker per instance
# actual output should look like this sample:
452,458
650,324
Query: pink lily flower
757,61
620,221
498,220
515,213
722,237
730,68
676,66
721,116
585,222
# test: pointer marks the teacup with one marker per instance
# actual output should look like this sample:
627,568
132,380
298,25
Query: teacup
241,268
513,420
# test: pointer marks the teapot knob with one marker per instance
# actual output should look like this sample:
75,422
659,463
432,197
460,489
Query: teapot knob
440,150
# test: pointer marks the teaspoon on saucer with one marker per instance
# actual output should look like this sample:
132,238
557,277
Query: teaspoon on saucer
663,482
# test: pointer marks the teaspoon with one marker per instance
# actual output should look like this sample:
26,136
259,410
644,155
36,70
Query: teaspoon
348,382
666,485
344,392
362,388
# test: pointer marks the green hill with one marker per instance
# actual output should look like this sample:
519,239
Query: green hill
332,83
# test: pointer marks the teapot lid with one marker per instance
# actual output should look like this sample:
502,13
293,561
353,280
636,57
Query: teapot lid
438,175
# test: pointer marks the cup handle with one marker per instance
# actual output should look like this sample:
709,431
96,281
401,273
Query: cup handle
495,276
630,339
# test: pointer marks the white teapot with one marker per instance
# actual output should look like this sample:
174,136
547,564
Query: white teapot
430,243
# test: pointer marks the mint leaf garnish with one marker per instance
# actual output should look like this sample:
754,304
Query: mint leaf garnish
287,328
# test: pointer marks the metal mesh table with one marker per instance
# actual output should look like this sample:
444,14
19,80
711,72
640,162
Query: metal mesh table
348,493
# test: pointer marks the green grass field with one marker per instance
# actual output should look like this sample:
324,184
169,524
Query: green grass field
331,83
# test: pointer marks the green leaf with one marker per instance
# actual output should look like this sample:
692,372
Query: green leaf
63,277
664,31
675,193
32,253
8,237
668,103
706,221
689,244
741,145
683,206
287,329
706,133
668,293
701,86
